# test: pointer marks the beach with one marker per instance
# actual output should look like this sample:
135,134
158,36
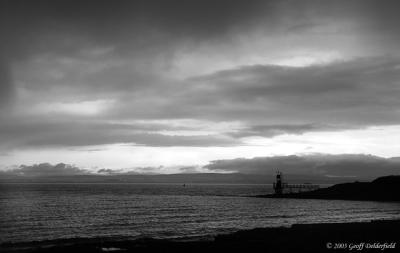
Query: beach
373,236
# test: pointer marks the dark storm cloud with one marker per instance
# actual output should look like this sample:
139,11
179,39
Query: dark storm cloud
84,50
68,26
319,164
118,21
359,92
141,29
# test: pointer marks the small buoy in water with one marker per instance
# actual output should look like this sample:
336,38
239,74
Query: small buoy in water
184,185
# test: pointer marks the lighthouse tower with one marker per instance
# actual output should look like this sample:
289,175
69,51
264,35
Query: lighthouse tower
278,185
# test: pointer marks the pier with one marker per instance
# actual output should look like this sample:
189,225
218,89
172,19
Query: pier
281,187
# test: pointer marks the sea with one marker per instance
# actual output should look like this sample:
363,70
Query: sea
38,212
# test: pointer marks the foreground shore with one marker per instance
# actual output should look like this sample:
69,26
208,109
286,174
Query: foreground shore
374,236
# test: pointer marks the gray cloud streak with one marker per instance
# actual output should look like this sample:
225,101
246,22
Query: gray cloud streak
320,164
86,133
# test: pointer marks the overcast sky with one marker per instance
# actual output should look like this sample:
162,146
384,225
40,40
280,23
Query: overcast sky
124,84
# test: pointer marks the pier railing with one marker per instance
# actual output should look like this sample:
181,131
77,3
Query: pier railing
297,187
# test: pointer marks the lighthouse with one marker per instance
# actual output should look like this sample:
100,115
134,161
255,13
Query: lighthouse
278,185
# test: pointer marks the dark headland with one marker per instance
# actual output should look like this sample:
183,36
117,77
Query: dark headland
374,236
381,189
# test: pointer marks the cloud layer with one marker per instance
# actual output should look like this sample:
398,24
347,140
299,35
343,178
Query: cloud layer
193,73
319,164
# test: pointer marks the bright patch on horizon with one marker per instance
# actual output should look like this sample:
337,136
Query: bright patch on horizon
382,141
83,108
304,61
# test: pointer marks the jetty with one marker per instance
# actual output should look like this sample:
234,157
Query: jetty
281,187
385,188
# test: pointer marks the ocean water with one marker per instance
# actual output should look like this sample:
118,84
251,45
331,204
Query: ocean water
35,212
